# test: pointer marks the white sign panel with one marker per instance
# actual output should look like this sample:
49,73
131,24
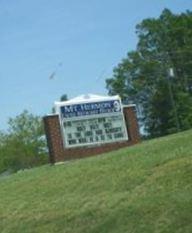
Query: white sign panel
86,124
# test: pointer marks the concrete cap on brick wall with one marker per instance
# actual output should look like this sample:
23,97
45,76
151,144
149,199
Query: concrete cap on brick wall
129,105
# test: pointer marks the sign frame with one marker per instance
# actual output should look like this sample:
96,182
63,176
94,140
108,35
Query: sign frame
109,113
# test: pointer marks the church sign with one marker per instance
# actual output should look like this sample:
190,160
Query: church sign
92,121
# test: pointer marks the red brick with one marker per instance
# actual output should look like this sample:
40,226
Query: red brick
57,152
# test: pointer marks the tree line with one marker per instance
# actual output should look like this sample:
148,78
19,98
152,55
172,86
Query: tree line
157,75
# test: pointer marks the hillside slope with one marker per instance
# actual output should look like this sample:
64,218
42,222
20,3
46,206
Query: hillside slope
144,188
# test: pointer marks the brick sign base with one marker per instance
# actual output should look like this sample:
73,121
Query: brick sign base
58,153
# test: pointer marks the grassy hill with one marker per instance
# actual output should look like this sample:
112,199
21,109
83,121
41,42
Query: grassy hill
142,189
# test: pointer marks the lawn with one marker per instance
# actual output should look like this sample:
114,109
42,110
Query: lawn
145,188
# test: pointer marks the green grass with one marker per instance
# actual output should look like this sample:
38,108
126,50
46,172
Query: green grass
146,188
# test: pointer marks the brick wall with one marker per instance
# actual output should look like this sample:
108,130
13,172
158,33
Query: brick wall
57,151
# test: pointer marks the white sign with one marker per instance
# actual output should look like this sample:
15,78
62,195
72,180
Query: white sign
93,122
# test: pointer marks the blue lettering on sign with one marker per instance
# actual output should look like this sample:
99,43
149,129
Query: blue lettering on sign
87,109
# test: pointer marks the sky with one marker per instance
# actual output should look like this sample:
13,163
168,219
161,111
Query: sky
55,47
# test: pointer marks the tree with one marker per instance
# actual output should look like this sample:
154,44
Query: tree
24,145
64,97
143,77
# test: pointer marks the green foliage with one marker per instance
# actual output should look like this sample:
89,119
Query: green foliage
142,189
23,146
64,97
143,76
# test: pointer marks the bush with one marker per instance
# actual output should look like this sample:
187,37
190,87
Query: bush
24,144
